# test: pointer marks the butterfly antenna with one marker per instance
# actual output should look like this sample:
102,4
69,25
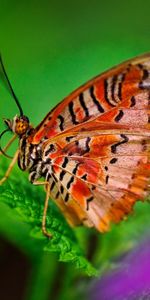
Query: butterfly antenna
10,86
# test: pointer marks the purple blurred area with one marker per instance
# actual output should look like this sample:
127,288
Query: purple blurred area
130,281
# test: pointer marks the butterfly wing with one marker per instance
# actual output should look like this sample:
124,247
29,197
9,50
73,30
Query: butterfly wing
100,136
122,87
101,176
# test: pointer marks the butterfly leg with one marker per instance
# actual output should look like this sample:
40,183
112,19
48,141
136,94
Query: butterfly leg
47,187
10,168
9,144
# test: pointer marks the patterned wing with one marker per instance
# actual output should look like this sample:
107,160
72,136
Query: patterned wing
98,142
111,95
100,176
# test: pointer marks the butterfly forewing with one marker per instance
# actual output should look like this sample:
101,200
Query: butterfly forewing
101,131
109,92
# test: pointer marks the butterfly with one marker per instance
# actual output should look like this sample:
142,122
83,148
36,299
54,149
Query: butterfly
92,150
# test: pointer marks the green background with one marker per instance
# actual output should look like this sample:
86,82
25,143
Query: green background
50,48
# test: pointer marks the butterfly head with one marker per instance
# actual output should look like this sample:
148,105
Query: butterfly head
18,125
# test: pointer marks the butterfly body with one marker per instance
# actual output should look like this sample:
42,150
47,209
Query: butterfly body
93,149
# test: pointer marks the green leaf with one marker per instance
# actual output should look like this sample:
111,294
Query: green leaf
21,206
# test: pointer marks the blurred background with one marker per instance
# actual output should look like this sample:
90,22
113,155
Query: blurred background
49,48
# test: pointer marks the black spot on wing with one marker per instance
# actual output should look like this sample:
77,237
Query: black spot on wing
107,177
119,116
86,148
87,144
66,197
65,162
61,125
133,101
77,143
72,113
57,194
113,160
114,80
70,182
61,189
125,140
120,86
145,71
106,93
84,177
69,138
74,171
96,102
83,105
55,178
88,202
62,174
93,187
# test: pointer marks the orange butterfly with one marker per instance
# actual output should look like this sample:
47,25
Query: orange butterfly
93,149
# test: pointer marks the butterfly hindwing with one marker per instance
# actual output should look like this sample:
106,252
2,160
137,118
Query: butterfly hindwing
104,175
